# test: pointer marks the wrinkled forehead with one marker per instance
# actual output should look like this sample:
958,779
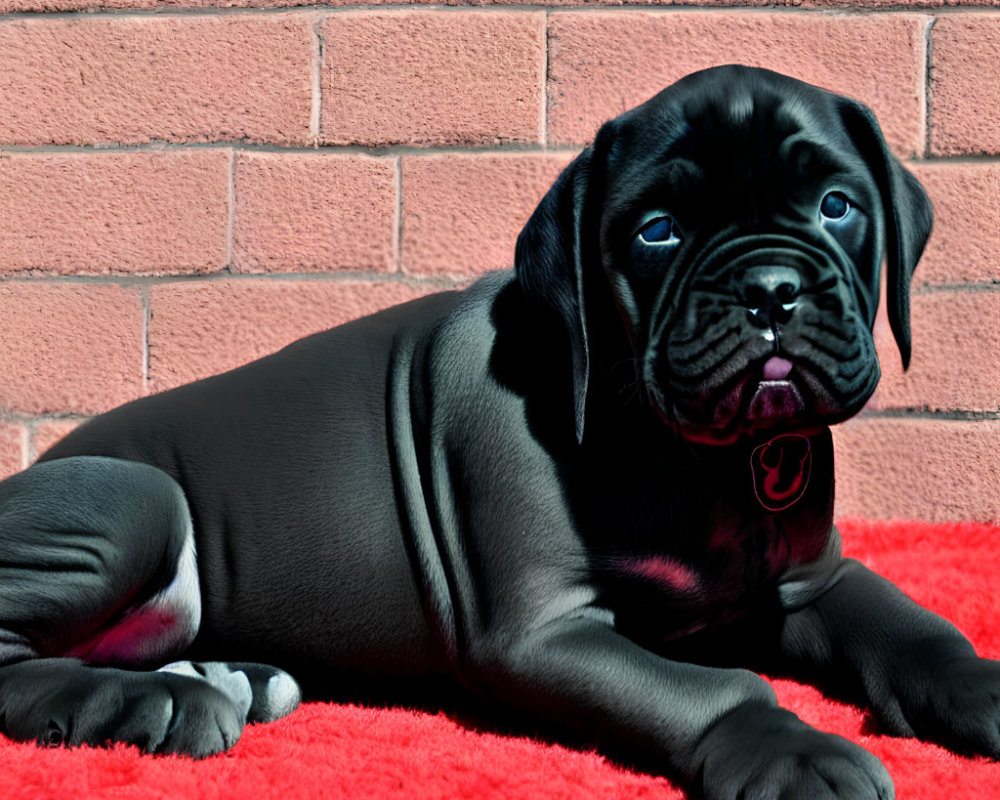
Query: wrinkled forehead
739,131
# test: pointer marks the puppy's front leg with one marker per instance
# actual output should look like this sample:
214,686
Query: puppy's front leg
918,674
719,731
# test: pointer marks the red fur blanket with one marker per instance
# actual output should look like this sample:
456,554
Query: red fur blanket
343,751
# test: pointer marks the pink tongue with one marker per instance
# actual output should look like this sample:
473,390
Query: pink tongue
777,368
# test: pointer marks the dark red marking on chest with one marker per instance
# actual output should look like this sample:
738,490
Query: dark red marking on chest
781,470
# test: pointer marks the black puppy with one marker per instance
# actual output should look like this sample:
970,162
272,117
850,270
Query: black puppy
590,490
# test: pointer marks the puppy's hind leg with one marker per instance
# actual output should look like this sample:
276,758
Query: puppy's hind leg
97,567
97,562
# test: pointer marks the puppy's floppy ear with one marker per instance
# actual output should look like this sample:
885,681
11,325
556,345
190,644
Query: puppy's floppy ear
908,217
549,267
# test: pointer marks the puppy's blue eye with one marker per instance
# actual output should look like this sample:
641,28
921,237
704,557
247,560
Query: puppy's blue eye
835,206
659,231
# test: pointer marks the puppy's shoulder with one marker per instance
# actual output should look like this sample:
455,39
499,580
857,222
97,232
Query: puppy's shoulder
461,342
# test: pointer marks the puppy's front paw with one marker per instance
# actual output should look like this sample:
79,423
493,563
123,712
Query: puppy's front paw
762,752
956,704
63,702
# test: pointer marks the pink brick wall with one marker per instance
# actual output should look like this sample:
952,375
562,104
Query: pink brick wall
184,190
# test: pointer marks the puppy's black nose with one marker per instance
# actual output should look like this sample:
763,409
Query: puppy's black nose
770,294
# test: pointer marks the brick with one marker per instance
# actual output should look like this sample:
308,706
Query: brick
956,339
69,348
309,212
430,78
11,448
965,85
48,432
462,213
139,213
603,63
180,79
197,329
964,247
936,470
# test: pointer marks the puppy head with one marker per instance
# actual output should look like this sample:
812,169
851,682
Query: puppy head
738,219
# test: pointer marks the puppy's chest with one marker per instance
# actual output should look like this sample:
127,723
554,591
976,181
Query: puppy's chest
670,577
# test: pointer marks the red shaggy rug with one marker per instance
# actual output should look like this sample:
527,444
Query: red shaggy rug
342,751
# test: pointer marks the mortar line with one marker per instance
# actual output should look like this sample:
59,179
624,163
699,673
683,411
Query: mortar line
385,151
230,211
316,112
380,151
975,287
28,428
397,234
544,137
436,282
147,315
27,418
854,10
429,282
939,415
928,70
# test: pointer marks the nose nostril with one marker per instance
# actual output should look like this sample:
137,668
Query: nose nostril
755,296
787,292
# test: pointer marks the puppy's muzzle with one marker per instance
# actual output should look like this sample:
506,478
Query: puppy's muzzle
768,332
743,293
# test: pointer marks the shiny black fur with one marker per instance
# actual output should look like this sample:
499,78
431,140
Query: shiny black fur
578,491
